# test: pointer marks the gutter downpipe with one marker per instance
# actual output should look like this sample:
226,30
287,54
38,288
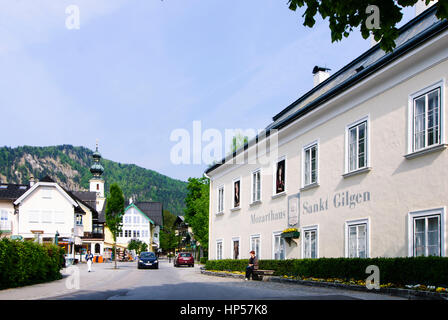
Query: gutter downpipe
209,214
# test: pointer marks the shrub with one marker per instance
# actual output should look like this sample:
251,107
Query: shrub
400,271
203,260
25,263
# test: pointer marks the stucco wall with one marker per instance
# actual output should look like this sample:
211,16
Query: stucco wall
395,185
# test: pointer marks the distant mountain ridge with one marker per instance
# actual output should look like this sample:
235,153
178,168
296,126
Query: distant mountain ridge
69,166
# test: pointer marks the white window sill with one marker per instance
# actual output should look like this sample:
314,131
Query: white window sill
356,172
278,195
439,147
310,186
255,203
220,213
235,209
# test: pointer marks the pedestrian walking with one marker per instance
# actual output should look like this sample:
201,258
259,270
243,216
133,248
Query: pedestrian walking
89,259
253,265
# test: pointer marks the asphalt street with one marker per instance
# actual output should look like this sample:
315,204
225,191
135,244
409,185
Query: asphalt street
169,283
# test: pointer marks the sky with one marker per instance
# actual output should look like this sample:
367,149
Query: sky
137,70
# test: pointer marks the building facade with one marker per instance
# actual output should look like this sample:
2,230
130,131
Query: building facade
361,164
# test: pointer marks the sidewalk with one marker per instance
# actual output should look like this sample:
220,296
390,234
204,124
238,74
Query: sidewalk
101,273
404,293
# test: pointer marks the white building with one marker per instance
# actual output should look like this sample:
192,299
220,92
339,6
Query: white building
142,221
361,166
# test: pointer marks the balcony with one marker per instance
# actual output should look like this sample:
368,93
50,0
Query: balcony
93,235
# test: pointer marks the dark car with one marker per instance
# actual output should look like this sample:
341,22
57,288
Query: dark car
148,260
184,258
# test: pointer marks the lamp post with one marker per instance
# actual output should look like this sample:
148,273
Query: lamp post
56,236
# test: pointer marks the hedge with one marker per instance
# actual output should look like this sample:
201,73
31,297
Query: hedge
203,260
25,262
400,271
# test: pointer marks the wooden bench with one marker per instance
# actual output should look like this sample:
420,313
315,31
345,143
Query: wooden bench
259,274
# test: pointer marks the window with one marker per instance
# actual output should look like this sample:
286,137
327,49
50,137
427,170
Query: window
79,220
137,233
279,178
134,233
220,199
357,146
136,219
236,248
219,249
46,193
59,217
427,233
120,234
256,185
33,216
279,246
127,233
426,120
310,165
255,245
47,216
236,193
310,243
357,239
4,223
97,186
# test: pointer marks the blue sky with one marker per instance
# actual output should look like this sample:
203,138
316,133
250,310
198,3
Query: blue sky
138,69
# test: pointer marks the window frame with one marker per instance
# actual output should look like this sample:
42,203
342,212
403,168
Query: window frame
258,235
367,148
218,211
232,247
411,121
274,175
275,234
222,249
427,213
239,179
307,229
357,222
306,147
258,170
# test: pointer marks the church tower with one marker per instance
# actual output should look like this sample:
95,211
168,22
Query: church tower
97,183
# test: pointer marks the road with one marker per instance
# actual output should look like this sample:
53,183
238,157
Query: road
169,283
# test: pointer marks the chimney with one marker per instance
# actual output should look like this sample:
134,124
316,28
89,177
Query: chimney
421,6
32,181
320,74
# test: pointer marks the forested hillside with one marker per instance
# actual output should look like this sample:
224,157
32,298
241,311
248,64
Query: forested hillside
70,165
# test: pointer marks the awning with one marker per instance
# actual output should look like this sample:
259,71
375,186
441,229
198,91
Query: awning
111,245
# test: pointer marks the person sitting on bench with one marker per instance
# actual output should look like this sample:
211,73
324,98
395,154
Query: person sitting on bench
253,265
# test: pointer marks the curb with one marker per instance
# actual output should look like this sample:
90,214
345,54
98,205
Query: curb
404,293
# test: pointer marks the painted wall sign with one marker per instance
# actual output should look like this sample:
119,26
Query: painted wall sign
339,200
271,216
293,210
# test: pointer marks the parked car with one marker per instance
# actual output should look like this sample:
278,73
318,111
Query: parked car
184,258
148,260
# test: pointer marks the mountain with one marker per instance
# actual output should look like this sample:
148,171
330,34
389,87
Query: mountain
69,166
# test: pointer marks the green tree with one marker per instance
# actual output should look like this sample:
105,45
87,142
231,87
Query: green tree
137,245
197,208
114,214
346,15
168,238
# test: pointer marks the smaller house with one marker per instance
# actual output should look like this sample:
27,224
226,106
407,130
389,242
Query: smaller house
142,221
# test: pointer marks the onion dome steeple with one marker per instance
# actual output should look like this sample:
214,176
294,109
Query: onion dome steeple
96,169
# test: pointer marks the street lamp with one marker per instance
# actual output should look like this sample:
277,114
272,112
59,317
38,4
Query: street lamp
56,236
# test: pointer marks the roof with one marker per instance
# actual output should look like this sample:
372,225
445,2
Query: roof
87,198
12,191
102,213
153,210
413,34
